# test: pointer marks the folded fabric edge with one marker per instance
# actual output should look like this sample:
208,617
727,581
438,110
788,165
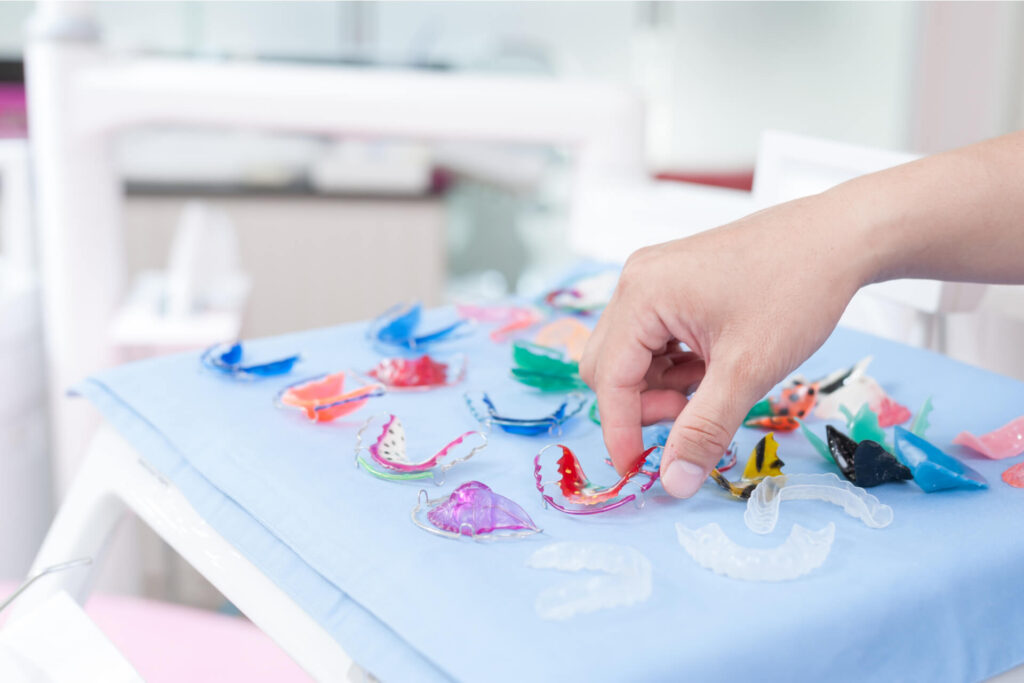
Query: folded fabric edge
370,642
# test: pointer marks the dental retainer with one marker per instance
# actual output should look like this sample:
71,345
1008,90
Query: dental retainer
323,398
388,458
934,470
762,513
545,369
763,462
624,580
227,360
782,414
473,510
509,319
1005,442
801,553
398,328
567,333
483,409
419,374
581,497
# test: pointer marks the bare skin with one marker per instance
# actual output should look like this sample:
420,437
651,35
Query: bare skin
755,298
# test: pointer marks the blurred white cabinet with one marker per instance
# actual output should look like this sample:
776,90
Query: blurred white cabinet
314,261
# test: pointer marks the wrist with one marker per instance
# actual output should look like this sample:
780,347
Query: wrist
861,222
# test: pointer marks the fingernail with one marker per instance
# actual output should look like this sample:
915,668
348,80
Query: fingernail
683,478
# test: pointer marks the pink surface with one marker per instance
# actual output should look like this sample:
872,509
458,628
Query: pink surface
13,117
169,643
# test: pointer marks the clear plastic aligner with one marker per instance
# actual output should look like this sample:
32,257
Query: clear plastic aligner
762,512
801,553
626,578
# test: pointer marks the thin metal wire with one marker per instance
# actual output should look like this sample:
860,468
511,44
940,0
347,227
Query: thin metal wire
573,404
210,362
362,430
52,569
378,390
476,449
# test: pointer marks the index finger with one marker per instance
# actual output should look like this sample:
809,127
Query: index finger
621,369
620,424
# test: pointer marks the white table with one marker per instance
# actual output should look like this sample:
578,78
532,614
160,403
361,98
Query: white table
114,479
59,643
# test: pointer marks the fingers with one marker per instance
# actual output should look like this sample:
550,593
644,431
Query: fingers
655,406
668,357
659,405
621,417
624,359
703,430
680,377
591,352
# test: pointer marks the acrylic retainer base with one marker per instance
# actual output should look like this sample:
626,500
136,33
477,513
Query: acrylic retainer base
226,360
801,553
550,423
762,513
474,511
588,499
395,465
625,578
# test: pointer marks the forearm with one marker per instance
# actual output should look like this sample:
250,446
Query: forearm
952,216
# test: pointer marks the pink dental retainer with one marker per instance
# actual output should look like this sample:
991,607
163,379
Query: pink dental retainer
1005,442
510,319
388,458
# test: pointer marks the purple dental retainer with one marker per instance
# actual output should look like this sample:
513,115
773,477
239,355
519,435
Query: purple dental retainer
473,510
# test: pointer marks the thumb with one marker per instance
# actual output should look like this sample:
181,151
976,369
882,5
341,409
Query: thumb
702,432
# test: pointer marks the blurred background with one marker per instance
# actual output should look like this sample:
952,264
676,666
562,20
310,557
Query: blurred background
181,173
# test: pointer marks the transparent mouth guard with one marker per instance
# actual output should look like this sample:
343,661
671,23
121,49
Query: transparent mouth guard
762,512
625,578
801,553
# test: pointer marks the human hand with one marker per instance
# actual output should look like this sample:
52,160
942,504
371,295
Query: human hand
751,300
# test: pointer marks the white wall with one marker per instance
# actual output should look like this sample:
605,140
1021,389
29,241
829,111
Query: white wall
12,20
971,73
716,73
241,29
577,39
835,70
312,30
729,70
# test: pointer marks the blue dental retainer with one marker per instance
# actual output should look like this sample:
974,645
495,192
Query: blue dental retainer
934,470
225,359
548,424
396,328
657,435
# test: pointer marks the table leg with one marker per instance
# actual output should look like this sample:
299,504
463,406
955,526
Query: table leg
82,528
112,479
